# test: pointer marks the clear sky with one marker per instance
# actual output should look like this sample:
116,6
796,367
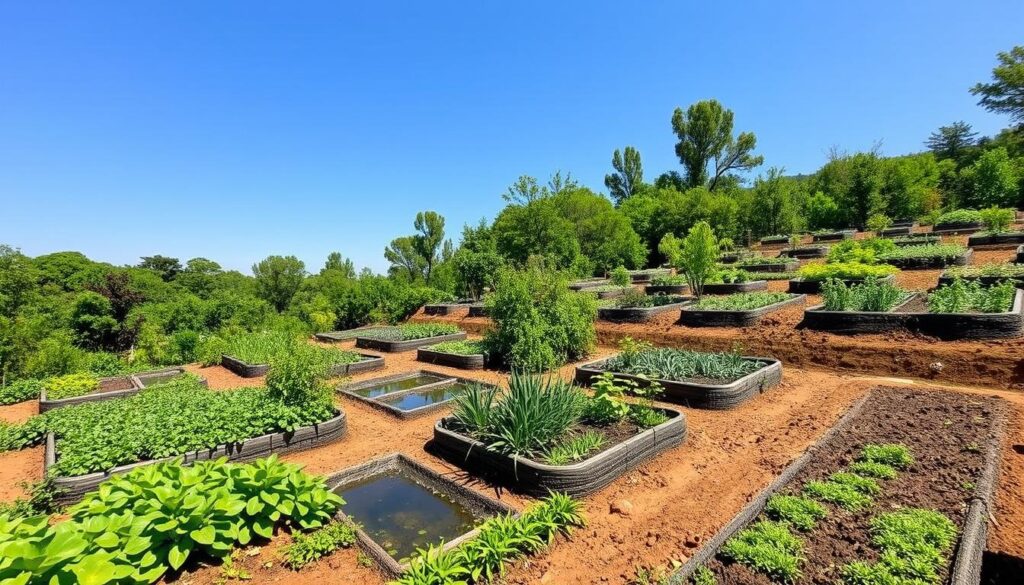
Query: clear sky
237,129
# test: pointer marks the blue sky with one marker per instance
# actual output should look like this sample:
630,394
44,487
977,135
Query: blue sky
234,130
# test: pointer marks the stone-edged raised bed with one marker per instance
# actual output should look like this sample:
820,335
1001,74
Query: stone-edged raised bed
639,314
645,276
575,479
813,287
788,266
805,252
71,489
398,463
440,309
775,240
885,415
588,282
395,346
728,288
697,394
478,310
946,326
114,387
958,228
836,236
1010,239
347,334
247,370
930,262
666,289
473,361
694,317
895,231
381,402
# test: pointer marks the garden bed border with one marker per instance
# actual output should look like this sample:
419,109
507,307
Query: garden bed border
136,381
895,231
473,361
247,370
804,252
72,488
813,287
638,314
694,317
695,394
667,289
728,288
431,479
405,345
788,266
958,228
1007,239
836,236
575,479
344,334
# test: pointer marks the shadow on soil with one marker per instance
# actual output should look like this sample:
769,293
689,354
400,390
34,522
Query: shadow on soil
1001,569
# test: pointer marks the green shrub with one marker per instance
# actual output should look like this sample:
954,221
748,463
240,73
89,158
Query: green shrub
845,271
210,349
997,220
802,513
860,251
878,222
970,296
698,256
620,277
742,301
728,276
537,322
607,405
70,385
296,377
768,548
870,295
668,280
958,216
307,548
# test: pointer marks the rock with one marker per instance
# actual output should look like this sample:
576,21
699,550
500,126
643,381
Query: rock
621,507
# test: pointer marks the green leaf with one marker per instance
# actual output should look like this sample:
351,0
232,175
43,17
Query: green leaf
204,535
254,506
178,553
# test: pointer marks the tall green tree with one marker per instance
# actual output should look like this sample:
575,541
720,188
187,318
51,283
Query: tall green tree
772,208
628,175
952,141
278,278
404,257
1005,93
705,135
338,263
165,266
991,180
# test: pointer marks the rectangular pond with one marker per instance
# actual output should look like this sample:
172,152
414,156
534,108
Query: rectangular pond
392,386
401,505
420,398
410,394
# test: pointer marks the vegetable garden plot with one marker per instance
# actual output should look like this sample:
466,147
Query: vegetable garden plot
805,252
917,240
957,228
401,505
331,336
895,231
927,257
774,240
813,287
716,381
834,236
410,336
987,275
107,388
642,314
466,355
709,313
728,288
411,394
345,362
759,265
912,315
901,467
645,276
1011,238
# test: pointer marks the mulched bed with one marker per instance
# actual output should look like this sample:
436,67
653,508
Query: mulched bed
947,433
806,252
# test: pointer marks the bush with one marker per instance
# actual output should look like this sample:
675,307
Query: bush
296,377
70,385
878,222
997,220
538,323
966,297
845,271
698,256
307,548
958,216
862,251
871,295
620,277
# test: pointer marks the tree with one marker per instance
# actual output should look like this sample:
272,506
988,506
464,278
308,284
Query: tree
165,266
705,134
430,239
670,180
536,229
952,141
18,277
525,191
402,255
338,263
991,180
1005,94
772,210
278,278
698,256
628,175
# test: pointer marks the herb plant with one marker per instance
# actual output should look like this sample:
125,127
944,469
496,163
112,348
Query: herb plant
681,364
970,296
870,295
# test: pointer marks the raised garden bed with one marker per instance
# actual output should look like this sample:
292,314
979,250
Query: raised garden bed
575,479
640,314
699,393
114,387
607,291
930,262
445,308
916,240
334,336
393,346
246,370
813,287
693,316
728,288
894,231
912,315
407,395
645,276
666,289
834,236
805,252
478,310
588,282
954,444
71,489
981,277
434,355
788,266
399,505
996,239
899,223
774,240
957,228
